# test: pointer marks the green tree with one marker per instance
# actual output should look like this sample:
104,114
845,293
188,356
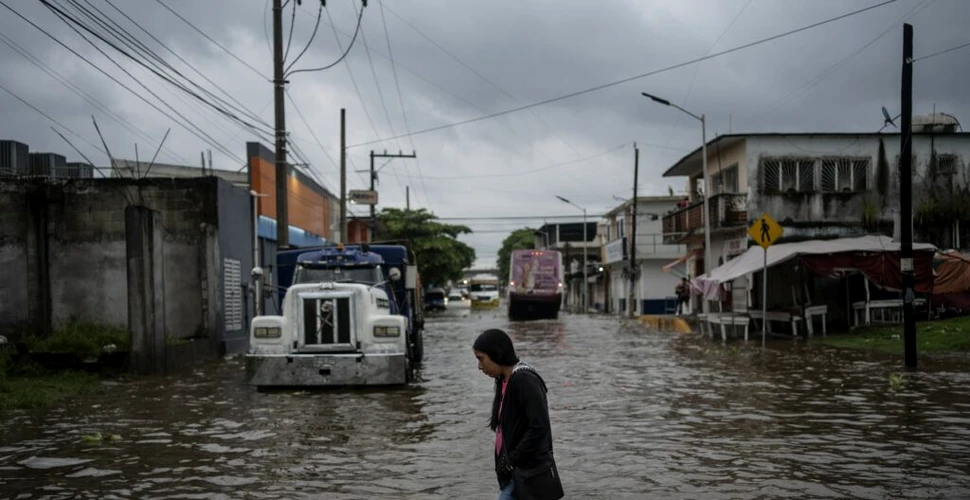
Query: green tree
441,257
519,239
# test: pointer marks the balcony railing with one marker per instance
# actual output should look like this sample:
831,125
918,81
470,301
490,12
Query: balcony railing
727,210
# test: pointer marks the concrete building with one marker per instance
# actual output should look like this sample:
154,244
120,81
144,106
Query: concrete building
131,169
821,185
46,164
653,285
14,158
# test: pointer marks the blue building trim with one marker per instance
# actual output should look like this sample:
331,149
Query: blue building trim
298,237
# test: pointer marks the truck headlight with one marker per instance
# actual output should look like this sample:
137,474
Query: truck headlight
387,331
271,332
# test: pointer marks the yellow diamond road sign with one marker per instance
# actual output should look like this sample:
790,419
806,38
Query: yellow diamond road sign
765,231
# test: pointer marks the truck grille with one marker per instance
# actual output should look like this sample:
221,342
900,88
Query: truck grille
326,321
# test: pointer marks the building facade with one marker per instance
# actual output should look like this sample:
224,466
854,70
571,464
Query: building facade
653,284
818,186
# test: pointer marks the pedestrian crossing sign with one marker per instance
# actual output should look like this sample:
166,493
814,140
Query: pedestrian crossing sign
765,231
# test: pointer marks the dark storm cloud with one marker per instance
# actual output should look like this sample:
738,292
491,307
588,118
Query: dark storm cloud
528,51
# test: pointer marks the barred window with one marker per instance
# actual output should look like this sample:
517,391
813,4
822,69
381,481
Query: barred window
845,175
783,175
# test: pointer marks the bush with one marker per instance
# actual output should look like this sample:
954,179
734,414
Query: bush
86,340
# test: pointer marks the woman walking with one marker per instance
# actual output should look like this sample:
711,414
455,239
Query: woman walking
524,463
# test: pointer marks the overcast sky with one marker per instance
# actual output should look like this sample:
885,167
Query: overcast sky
500,55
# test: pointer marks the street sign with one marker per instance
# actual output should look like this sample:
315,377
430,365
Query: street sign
765,231
362,197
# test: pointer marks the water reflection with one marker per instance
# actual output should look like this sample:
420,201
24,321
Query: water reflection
635,414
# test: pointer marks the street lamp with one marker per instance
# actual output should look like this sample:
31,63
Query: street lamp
585,241
257,272
708,263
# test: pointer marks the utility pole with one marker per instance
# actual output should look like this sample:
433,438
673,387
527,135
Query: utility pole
343,175
407,197
906,198
373,178
633,235
282,221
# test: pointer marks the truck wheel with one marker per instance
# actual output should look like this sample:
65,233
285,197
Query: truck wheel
418,349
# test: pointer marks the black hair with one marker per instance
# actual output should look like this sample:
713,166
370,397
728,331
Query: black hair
497,345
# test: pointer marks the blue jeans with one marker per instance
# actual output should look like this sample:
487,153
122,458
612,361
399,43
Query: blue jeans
506,493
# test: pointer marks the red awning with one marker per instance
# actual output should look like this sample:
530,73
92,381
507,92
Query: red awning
681,260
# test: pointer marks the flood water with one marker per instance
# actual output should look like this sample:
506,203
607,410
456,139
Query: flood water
636,414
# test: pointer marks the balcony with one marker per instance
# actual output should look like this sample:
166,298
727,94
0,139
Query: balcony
727,210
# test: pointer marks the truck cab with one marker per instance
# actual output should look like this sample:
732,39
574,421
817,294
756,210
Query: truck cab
342,323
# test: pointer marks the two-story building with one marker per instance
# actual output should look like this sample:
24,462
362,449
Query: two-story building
653,285
820,186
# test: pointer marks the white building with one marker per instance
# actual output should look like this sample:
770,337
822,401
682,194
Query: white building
654,287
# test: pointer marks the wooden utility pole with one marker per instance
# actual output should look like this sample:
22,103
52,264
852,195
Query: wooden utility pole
279,82
633,235
343,175
906,198
373,180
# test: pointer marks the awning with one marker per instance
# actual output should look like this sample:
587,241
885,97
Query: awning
681,260
753,259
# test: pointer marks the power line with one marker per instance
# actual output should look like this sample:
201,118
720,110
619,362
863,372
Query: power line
690,88
635,77
400,100
536,217
217,44
804,88
527,172
941,52
380,94
152,55
200,134
45,115
312,36
342,56
84,95
241,107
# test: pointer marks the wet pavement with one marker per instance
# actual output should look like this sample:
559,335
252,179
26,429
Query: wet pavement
636,414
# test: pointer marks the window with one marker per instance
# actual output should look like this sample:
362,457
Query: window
946,164
845,175
725,181
619,228
788,174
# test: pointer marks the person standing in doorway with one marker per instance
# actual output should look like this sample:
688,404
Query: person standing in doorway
683,295
524,461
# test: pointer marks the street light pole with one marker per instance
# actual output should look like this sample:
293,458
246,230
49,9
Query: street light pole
585,241
708,263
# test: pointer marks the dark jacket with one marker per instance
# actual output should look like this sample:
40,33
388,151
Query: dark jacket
527,437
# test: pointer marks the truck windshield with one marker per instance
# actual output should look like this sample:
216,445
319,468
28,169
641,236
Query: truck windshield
366,275
484,288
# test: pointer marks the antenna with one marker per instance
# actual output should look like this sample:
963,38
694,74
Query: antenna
156,151
106,150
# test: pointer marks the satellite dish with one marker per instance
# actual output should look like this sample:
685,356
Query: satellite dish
889,119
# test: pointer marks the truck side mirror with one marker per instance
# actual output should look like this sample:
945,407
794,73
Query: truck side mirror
394,274
411,280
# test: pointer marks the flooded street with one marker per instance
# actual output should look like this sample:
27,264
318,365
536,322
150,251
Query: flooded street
635,414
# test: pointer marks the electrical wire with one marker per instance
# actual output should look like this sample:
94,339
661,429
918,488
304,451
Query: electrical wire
241,107
951,49
154,70
342,56
400,100
217,44
634,77
84,95
312,36
527,172
45,115
201,135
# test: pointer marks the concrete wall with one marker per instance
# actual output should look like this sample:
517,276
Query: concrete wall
235,243
83,268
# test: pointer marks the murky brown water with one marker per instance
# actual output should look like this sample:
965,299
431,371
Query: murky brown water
636,415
